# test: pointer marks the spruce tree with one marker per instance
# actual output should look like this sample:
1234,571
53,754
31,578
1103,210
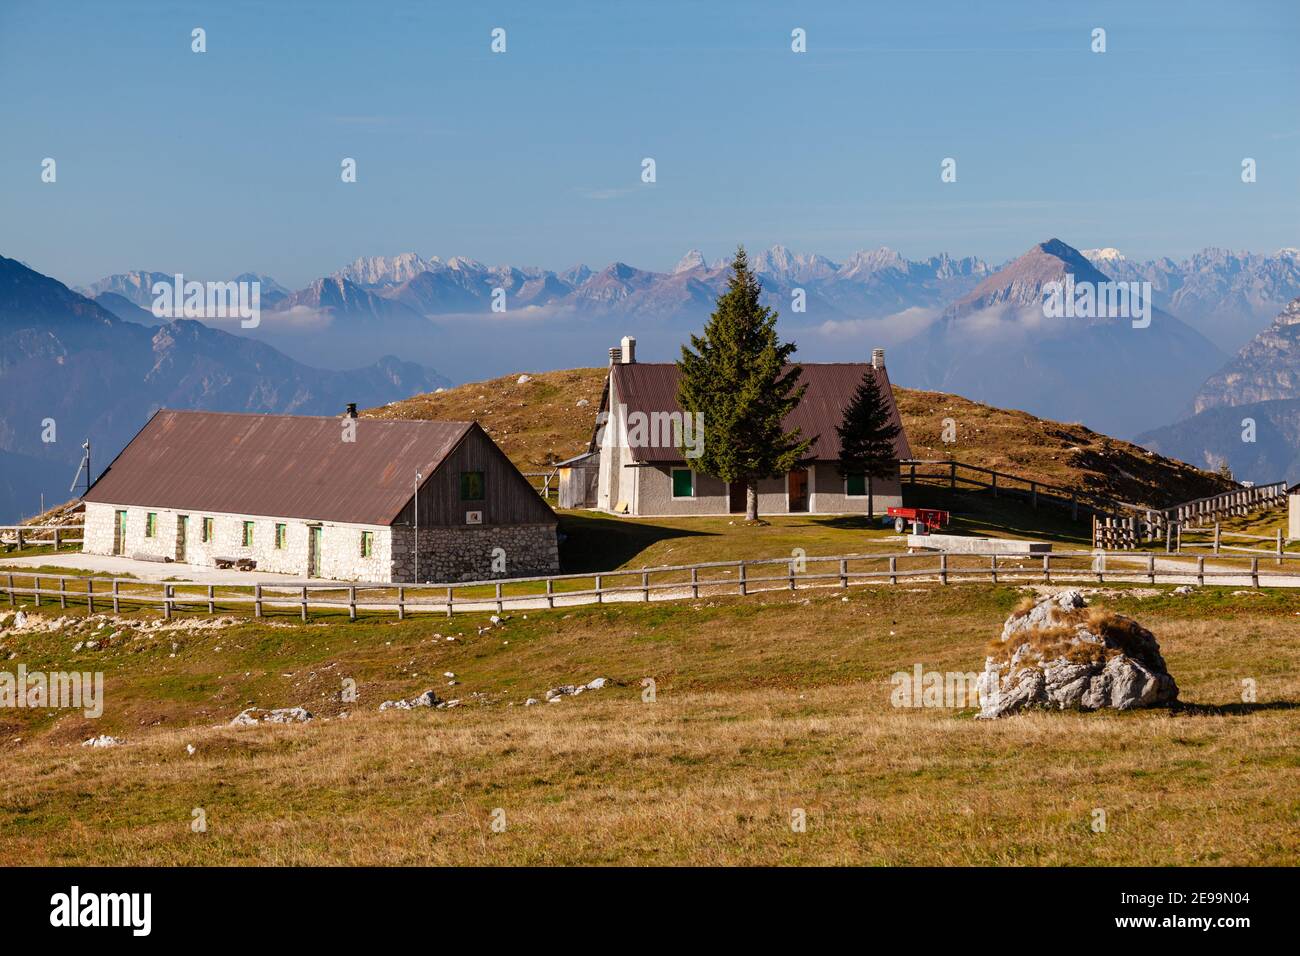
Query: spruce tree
867,436
737,374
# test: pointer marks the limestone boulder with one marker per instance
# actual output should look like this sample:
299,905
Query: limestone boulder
1061,654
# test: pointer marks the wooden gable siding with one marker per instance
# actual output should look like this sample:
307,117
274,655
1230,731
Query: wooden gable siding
508,498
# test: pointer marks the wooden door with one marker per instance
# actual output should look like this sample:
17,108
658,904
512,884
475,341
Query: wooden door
736,496
182,536
797,488
313,552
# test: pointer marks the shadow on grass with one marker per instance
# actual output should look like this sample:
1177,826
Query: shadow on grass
1231,710
595,542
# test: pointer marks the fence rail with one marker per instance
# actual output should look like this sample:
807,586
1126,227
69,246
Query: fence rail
27,535
675,582
956,474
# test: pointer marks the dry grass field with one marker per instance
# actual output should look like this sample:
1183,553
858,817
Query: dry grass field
762,707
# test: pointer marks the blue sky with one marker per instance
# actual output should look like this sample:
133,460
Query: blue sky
228,161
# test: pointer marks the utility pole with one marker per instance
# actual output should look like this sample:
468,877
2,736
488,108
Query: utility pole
418,478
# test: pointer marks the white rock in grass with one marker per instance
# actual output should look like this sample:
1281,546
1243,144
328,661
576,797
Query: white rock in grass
523,379
103,740
598,683
281,715
1059,657
530,701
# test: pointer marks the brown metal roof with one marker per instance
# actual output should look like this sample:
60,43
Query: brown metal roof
291,466
652,387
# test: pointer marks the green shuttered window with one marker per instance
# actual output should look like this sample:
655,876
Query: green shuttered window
471,486
683,483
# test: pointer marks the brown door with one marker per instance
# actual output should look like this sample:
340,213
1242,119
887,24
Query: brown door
736,504
797,486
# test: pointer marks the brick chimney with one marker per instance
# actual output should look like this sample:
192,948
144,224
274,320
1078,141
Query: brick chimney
877,358
629,350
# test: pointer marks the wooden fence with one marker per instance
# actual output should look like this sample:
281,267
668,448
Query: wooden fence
21,536
1229,504
956,474
679,582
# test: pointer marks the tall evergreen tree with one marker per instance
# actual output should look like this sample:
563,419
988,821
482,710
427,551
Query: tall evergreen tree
867,436
738,375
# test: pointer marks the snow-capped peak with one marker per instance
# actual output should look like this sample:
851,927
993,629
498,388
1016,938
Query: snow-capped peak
1108,254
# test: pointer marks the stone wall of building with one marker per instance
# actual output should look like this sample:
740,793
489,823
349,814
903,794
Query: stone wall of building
467,553
340,558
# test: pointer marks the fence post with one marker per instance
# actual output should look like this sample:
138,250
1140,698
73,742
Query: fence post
1101,565
844,572
1200,570
993,568
58,538
352,602
36,589
943,567
742,577
500,606
303,599
550,593
1216,537
1047,567
695,582
645,583
790,569
893,569
63,593
1151,566
90,596
401,603
1254,571
115,605
257,600
994,483
212,599
10,588
167,601
451,600
600,595
1279,546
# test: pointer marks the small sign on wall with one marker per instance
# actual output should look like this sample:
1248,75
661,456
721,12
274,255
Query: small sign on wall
473,517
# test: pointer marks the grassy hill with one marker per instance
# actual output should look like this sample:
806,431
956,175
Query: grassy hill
540,421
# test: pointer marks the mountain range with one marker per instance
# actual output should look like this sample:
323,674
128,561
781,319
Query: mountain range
1246,414
72,369
997,345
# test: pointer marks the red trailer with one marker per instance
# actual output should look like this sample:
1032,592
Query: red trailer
924,519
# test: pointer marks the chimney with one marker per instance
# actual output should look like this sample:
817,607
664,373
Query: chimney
629,350
615,355
352,409
877,358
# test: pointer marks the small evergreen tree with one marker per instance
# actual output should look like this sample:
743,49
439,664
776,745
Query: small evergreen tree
867,436
737,374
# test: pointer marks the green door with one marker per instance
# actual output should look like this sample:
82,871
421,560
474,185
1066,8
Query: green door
119,536
313,552
182,536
